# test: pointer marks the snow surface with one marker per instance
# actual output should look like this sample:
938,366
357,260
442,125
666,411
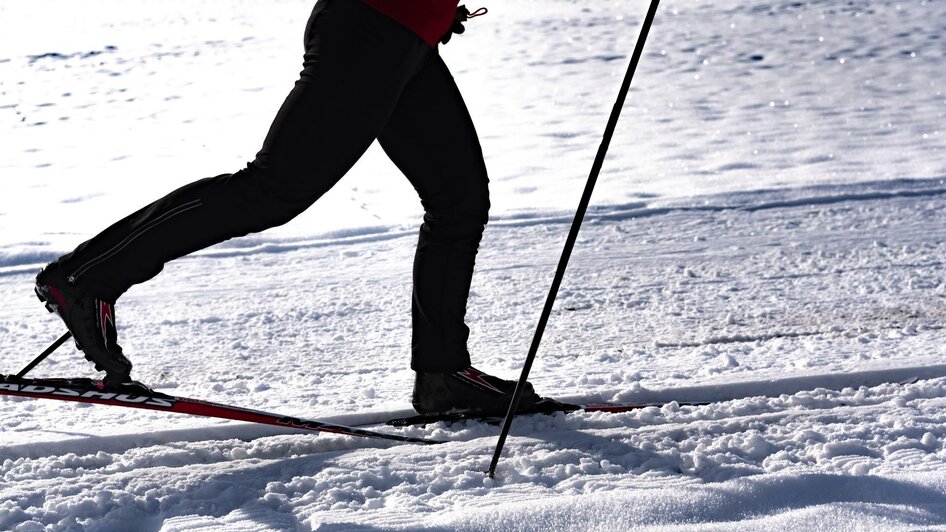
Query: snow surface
768,234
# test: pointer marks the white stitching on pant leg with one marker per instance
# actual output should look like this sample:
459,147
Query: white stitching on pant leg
130,238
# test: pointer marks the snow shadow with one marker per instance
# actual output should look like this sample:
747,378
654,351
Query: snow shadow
802,502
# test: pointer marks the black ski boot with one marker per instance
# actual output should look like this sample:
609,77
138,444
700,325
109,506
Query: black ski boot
468,391
91,322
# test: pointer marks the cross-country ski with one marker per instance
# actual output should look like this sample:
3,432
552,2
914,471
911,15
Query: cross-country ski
453,417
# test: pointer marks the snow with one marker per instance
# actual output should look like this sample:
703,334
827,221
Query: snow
768,236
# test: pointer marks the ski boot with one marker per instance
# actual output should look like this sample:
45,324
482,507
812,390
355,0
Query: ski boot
468,390
92,323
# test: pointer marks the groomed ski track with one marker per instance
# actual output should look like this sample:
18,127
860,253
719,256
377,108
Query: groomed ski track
713,395
792,317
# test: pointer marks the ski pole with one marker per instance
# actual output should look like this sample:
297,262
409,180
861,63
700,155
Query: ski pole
573,234
42,356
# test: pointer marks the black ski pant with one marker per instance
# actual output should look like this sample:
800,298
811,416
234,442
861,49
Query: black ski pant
364,77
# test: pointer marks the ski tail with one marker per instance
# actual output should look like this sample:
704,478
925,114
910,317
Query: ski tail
90,391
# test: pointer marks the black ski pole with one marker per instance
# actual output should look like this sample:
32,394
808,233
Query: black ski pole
42,356
573,234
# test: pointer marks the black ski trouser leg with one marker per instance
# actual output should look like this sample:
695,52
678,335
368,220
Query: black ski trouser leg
356,65
364,77
431,138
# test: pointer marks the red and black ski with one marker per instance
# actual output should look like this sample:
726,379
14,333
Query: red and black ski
90,391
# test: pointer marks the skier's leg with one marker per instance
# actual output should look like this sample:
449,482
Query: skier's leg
356,64
431,138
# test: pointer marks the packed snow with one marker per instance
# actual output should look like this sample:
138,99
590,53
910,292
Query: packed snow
768,237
